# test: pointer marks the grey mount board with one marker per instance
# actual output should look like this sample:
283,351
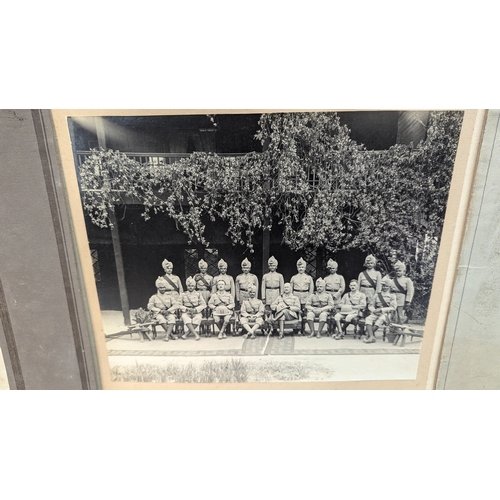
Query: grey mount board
471,348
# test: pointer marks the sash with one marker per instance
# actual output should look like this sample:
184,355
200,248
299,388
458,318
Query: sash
253,309
400,289
167,297
172,284
382,301
352,304
369,279
190,301
202,278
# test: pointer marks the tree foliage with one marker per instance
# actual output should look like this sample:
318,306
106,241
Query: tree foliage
324,189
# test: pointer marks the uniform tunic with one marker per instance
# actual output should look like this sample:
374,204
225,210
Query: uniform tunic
165,302
195,303
381,318
176,281
272,287
204,283
302,286
287,307
365,286
243,282
335,285
315,300
222,304
252,311
229,283
404,296
357,300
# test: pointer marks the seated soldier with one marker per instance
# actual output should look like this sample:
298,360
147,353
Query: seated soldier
222,305
252,313
383,304
228,280
286,307
192,305
164,305
318,305
351,306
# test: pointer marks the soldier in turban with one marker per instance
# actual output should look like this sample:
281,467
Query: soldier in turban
370,280
244,280
302,283
402,286
204,281
164,306
174,285
383,304
335,283
228,280
272,283
192,305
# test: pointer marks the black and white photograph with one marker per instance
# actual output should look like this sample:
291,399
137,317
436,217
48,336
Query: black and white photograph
264,247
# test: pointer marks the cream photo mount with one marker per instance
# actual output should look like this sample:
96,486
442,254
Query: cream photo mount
452,236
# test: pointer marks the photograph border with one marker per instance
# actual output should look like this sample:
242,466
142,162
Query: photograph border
452,236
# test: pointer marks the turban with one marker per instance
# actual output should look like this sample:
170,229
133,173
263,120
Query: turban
320,281
167,264
400,265
161,282
386,280
202,263
370,258
190,281
252,288
222,263
302,262
272,260
246,263
332,263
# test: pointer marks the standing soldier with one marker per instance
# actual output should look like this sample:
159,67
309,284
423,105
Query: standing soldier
192,305
243,282
383,303
302,283
272,286
318,305
335,283
174,285
402,286
204,281
370,281
228,280
164,305
272,283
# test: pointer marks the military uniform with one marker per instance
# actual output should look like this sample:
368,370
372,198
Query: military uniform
403,288
195,304
287,307
229,284
252,311
222,304
385,301
368,288
317,300
164,307
204,283
272,286
302,286
335,286
243,282
173,284
357,300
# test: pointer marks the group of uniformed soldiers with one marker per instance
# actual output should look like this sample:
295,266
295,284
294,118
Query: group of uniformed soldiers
370,296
